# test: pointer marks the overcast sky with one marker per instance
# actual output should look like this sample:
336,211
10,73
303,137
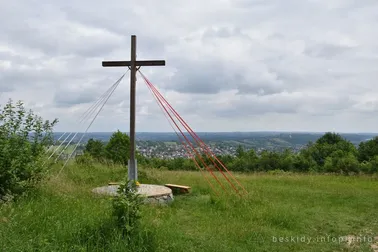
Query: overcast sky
231,65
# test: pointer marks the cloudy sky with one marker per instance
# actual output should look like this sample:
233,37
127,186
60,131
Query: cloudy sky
231,65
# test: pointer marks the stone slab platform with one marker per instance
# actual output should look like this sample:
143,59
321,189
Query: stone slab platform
153,193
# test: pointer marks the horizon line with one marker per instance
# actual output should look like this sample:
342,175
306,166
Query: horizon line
257,131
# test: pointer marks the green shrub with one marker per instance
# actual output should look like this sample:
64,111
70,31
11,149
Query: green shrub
23,141
126,209
96,149
342,162
368,150
373,165
85,160
277,172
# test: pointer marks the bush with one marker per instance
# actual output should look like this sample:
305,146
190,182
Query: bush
23,141
269,161
342,162
303,162
126,209
96,149
277,172
328,144
368,150
373,165
84,161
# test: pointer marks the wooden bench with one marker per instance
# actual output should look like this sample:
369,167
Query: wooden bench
113,183
180,188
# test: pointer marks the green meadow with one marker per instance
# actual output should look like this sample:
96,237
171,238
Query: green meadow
317,211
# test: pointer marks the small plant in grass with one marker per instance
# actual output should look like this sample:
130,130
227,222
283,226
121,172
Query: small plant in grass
126,208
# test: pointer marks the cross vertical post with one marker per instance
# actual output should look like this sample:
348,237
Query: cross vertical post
132,165
133,64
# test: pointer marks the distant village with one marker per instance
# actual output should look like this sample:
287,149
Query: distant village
171,150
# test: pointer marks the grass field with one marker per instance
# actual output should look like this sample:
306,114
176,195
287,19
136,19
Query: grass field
63,215
70,148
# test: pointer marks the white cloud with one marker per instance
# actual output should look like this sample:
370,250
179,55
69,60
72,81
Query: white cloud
231,65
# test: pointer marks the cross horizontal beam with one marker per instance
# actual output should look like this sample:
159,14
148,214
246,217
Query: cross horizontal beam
137,63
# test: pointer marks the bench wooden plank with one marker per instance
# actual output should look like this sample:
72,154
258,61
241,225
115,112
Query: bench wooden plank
113,183
178,186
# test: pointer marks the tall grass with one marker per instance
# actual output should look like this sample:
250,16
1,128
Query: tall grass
64,215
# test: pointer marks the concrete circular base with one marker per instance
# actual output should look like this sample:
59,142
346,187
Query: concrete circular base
155,194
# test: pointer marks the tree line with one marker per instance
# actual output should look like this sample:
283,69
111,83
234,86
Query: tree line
331,153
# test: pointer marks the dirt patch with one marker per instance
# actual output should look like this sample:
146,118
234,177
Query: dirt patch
354,242
374,246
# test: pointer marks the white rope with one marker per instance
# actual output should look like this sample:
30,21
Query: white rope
107,98
51,146
84,116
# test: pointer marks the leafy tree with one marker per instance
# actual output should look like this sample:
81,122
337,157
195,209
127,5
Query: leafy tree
366,167
240,151
269,161
239,164
176,164
330,138
370,167
23,141
118,148
158,162
95,148
225,159
304,162
203,158
287,160
141,159
245,161
327,144
373,165
368,150
189,165
342,162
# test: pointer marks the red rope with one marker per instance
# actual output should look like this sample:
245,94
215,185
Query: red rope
204,163
183,143
147,82
191,132
195,161
178,117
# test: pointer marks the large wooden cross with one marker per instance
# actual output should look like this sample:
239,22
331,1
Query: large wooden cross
133,64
